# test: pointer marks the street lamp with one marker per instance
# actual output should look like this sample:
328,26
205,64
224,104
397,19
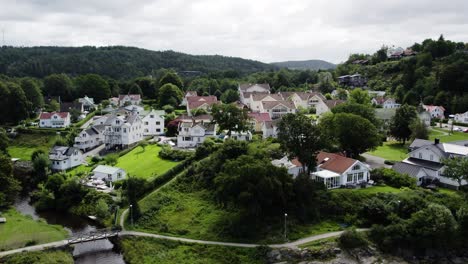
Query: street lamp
285,229
131,213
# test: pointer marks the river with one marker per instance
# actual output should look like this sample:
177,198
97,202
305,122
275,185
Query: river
100,251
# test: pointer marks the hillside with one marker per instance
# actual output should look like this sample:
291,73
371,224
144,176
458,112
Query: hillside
117,62
306,65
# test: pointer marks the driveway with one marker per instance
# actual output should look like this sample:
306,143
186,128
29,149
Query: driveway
94,152
375,162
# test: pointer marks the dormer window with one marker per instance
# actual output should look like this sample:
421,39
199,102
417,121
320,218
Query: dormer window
356,167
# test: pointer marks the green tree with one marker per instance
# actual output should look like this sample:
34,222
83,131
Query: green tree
229,117
400,123
19,104
33,93
41,167
169,94
4,141
58,85
171,78
9,186
148,87
301,139
230,96
94,86
456,169
111,159
362,110
135,89
419,130
102,209
359,96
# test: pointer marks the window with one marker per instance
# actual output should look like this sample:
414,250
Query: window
431,157
151,116
349,178
146,123
119,175
158,130
146,130
158,123
420,155
187,138
360,176
357,167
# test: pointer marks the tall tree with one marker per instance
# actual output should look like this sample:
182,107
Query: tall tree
301,139
230,96
9,186
400,123
359,96
135,89
148,87
419,130
58,85
170,94
362,110
19,104
94,86
229,117
456,169
171,77
33,92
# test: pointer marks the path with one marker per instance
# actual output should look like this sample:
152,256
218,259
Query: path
375,162
94,151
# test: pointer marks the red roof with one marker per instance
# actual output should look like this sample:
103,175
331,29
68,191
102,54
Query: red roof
46,115
197,101
260,117
431,108
133,97
334,162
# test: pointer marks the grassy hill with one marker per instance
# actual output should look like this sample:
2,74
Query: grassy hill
306,65
118,62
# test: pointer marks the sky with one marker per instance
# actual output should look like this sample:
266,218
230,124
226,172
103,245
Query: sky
265,30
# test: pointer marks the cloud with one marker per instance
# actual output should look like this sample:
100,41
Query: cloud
264,30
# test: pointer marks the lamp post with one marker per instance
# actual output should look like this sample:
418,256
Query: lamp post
131,214
285,226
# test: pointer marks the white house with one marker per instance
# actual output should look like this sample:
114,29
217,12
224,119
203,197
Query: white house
334,170
153,123
307,100
424,162
54,119
108,173
126,99
90,138
256,100
425,117
64,158
294,167
461,118
390,103
191,134
434,110
270,129
88,103
240,135
276,109
246,90
123,131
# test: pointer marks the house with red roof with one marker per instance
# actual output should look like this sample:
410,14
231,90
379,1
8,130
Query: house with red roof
435,110
54,120
201,102
258,119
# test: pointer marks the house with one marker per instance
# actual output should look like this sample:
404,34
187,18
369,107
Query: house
376,93
461,118
72,106
129,99
424,162
90,138
240,135
100,120
108,173
153,123
307,100
246,90
355,80
270,129
88,103
123,131
294,167
276,109
257,120
335,170
191,133
188,94
201,102
385,115
435,111
390,103
256,100
54,119
114,101
203,119
425,117
64,158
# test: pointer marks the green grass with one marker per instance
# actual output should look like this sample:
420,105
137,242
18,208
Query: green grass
145,163
301,231
320,244
20,230
40,257
25,144
138,250
391,150
444,137
371,190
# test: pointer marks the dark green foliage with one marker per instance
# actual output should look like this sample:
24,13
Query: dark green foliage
351,239
170,94
400,124
230,96
94,86
58,85
393,178
168,153
229,117
39,257
16,106
4,141
363,110
9,186
419,130
33,93
135,89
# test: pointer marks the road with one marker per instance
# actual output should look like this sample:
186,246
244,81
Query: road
375,162
94,151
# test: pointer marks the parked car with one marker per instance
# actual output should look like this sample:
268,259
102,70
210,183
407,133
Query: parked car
457,129
466,130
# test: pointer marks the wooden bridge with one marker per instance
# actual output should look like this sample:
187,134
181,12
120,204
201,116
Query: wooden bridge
93,236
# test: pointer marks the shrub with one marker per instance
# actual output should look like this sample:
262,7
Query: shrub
351,239
173,154
393,178
168,108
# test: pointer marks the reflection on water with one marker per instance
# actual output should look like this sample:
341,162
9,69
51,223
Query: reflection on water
100,251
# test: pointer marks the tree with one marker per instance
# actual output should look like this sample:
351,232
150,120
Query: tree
362,110
19,104
419,130
230,96
33,93
400,123
135,89
456,169
94,86
58,85
171,78
102,209
354,134
111,159
169,94
342,94
301,139
41,167
9,186
229,117
4,141
359,96
148,87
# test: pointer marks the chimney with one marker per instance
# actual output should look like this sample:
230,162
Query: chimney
436,141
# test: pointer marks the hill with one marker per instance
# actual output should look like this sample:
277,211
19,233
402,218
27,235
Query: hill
306,65
118,62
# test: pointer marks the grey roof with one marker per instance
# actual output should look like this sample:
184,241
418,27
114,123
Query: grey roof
132,118
417,143
460,143
410,169
106,169
67,106
95,130
62,150
424,163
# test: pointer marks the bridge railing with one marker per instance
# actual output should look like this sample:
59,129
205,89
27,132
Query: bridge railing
92,236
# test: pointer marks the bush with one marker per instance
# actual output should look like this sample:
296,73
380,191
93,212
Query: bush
173,154
351,239
168,109
393,178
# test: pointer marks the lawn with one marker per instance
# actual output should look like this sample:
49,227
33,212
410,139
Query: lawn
145,163
391,150
444,136
40,257
25,144
139,250
371,190
20,230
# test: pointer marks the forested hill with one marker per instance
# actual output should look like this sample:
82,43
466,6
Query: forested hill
117,62
306,65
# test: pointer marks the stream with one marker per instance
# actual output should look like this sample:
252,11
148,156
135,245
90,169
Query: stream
100,251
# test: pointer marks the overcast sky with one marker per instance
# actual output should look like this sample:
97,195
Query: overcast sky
265,30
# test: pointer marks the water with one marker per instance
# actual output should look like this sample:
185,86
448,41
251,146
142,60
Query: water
100,251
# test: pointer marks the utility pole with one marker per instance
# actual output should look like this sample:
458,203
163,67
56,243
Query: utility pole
131,214
285,227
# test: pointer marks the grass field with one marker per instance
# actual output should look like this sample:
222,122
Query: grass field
20,230
25,144
391,150
139,250
145,163
444,136
40,257
371,190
